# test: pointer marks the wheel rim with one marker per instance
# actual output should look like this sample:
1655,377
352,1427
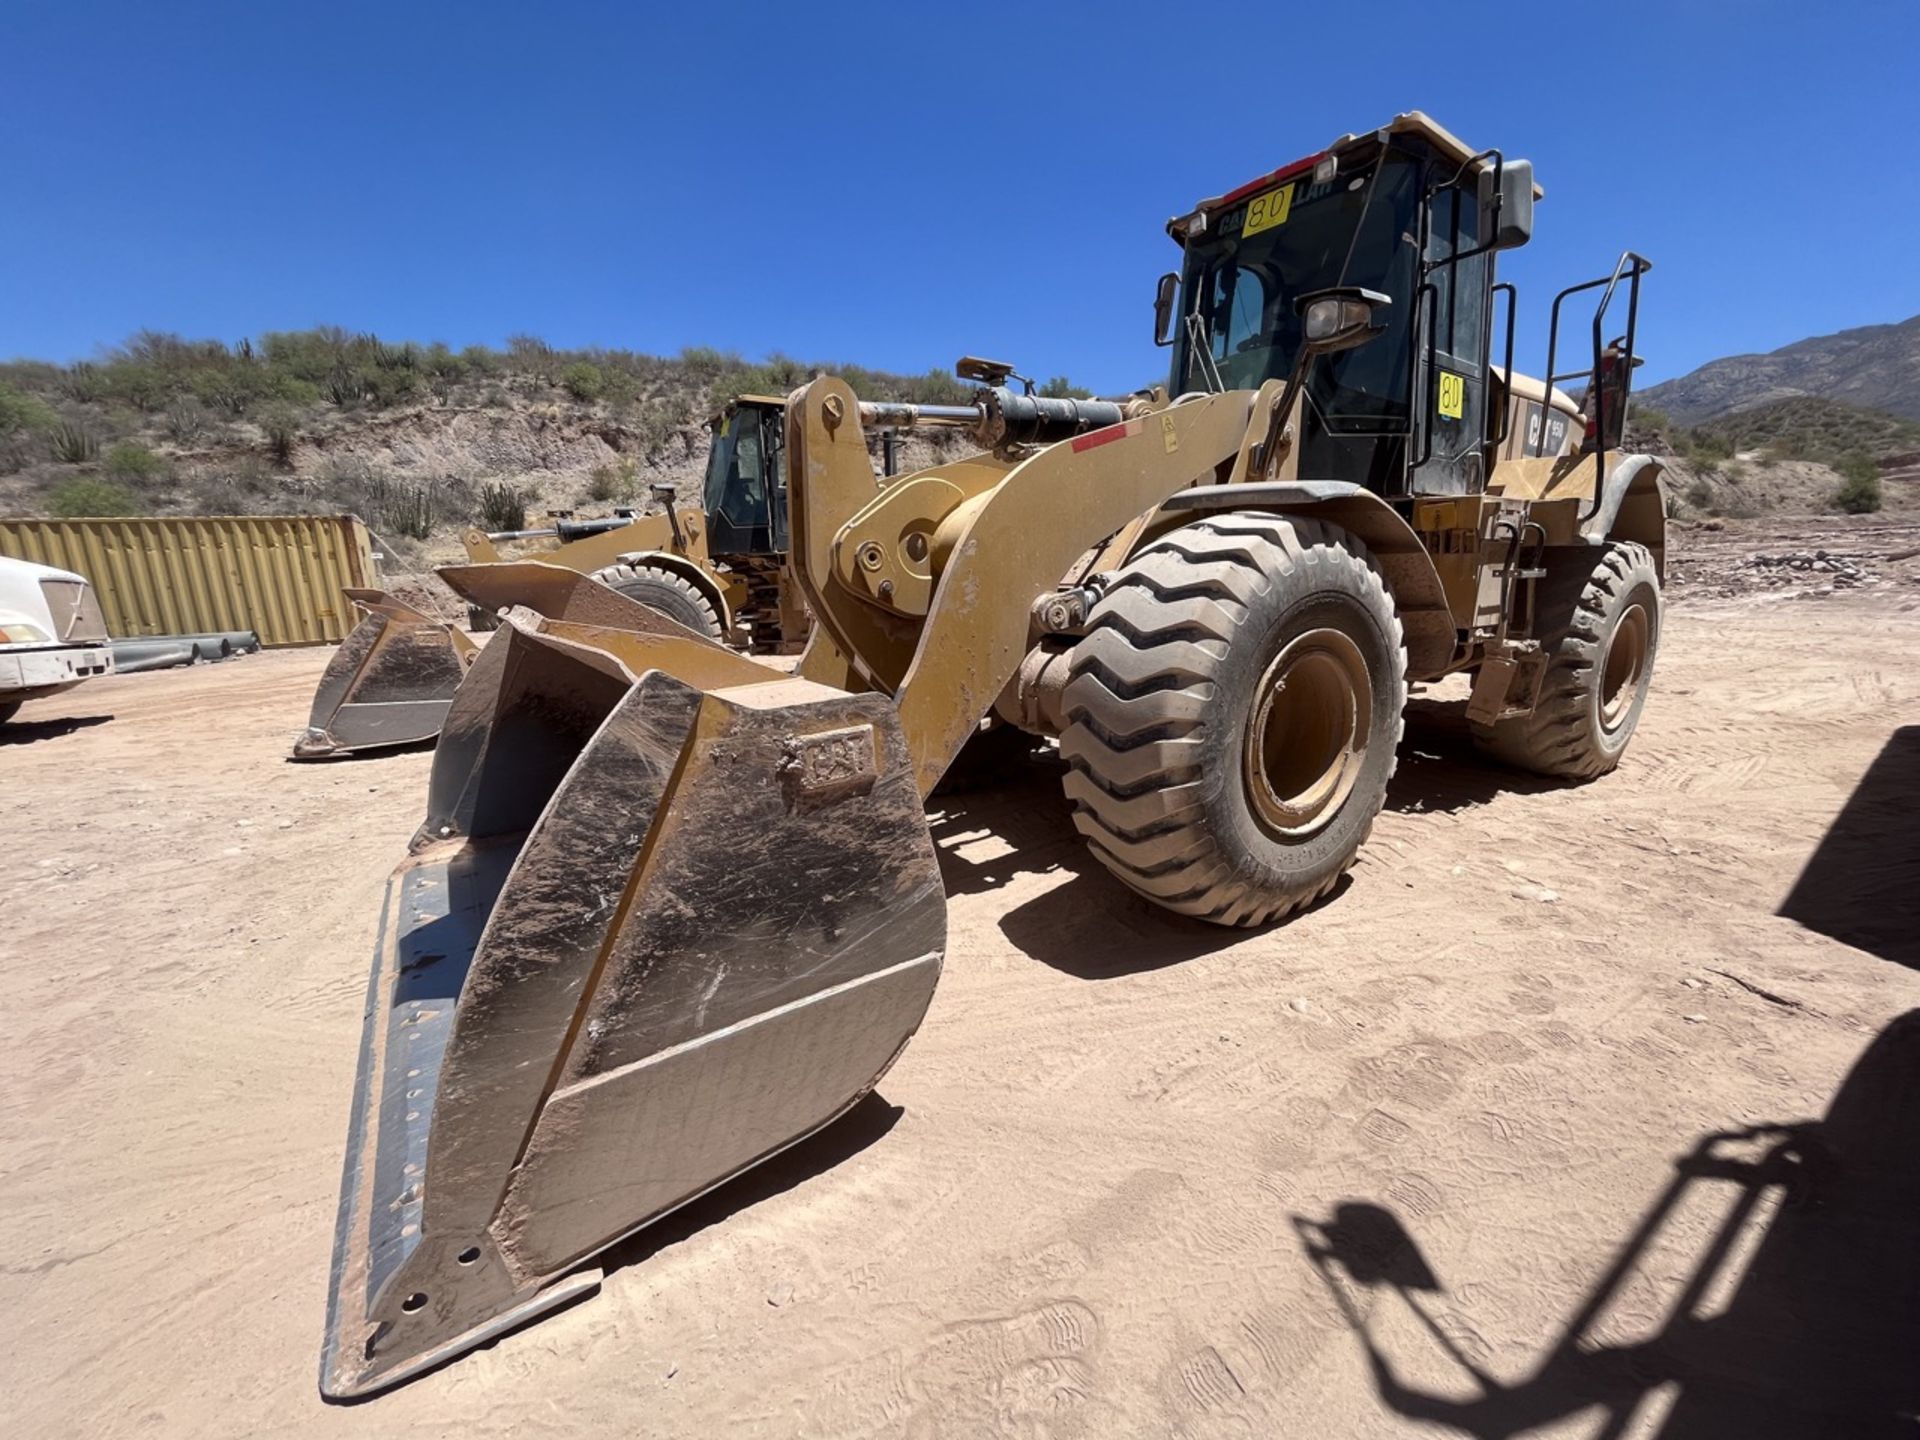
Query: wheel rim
1625,667
1307,737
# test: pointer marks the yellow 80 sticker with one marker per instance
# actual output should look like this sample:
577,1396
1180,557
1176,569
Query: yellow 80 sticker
1268,210
1453,395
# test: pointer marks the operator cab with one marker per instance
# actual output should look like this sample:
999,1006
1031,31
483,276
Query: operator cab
745,493
1410,217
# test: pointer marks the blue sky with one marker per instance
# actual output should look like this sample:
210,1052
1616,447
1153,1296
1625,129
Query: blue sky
896,185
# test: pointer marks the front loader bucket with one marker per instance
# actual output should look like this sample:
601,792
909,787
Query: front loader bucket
389,683
651,934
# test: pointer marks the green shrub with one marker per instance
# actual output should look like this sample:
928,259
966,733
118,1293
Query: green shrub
20,411
502,506
282,429
583,380
88,495
133,462
73,444
656,424
443,363
384,386
184,421
227,389
1061,388
614,482
1859,492
291,390
1708,448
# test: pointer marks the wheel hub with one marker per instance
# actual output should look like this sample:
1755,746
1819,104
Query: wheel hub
1625,666
1306,739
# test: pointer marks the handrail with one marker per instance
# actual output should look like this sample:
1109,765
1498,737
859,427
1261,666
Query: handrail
1630,267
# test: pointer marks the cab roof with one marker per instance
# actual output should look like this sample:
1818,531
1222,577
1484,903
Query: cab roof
777,402
1412,122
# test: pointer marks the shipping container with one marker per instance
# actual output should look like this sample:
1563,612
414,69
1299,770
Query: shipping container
277,575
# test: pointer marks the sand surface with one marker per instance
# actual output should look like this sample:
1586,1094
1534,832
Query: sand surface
1134,1176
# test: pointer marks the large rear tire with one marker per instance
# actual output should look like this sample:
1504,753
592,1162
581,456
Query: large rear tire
674,596
1233,714
1599,625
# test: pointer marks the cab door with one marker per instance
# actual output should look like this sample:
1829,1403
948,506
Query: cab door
1450,383
773,431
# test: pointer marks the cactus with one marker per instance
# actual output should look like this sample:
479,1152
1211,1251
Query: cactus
503,506
73,444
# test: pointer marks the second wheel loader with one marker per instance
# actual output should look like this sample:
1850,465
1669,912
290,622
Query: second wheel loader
721,571
670,912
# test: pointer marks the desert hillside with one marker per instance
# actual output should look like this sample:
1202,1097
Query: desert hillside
420,440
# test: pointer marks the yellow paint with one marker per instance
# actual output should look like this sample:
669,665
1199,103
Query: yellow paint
1264,212
1453,395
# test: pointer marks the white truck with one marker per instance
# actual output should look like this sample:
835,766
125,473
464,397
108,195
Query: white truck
52,633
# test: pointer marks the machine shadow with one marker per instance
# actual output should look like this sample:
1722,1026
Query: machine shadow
1441,771
1861,885
1089,926
865,1124
1795,1317
29,732
368,757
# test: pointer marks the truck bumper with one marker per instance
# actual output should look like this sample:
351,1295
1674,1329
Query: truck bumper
26,674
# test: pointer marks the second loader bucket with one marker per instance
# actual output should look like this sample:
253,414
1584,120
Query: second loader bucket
389,682
650,934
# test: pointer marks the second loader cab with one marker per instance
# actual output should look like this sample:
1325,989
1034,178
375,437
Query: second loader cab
746,486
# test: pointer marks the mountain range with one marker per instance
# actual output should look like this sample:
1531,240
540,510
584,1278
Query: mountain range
1875,367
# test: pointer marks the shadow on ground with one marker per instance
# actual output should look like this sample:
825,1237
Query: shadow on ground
1440,770
26,732
1090,925
370,756
865,1124
1797,1316
1861,885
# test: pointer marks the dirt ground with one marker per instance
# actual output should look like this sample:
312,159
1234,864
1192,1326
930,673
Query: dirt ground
1380,1171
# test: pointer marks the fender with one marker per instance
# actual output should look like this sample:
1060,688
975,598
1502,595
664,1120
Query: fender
1633,506
701,579
1403,560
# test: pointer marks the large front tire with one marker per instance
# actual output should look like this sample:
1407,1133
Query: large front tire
674,596
1599,624
1233,714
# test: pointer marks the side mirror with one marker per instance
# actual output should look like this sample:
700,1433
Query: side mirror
1516,205
1163,308
1341,318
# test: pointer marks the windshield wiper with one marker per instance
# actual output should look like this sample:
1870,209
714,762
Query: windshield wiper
1200,352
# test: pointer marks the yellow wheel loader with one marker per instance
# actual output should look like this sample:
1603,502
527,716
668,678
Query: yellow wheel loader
669,912
720,572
